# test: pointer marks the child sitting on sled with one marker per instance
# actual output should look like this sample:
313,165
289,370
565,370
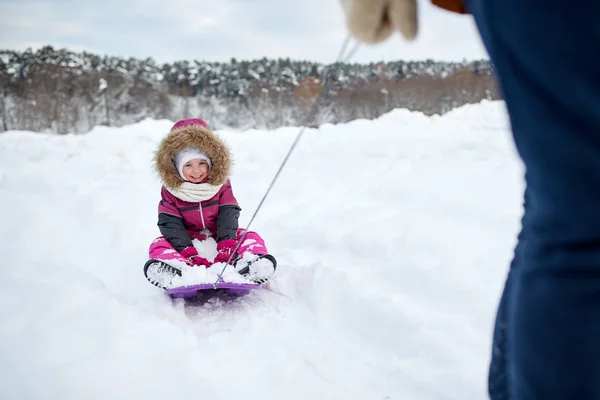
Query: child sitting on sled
197,202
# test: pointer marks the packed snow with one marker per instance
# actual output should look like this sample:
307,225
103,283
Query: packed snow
393,239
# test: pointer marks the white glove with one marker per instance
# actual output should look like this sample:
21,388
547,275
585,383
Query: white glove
373,21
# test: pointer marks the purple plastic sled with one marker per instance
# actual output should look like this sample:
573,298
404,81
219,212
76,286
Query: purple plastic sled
235,289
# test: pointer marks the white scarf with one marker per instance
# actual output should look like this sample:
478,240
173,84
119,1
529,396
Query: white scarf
195,192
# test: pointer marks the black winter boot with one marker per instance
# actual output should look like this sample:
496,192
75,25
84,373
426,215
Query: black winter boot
258,270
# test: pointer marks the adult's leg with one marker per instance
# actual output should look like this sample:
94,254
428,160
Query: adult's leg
498,379
545,56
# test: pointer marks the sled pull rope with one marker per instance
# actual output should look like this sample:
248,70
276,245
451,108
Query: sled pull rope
342,57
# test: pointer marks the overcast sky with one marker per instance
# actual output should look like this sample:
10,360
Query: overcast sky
217,30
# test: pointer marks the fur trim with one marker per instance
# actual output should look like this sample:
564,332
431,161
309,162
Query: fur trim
194,136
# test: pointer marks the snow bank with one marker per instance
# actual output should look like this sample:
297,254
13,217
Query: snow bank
393,238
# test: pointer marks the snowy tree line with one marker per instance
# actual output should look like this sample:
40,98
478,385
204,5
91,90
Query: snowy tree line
60,91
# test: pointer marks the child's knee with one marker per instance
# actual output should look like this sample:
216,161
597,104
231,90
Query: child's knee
159,242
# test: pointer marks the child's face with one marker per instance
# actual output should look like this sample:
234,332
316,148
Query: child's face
195,170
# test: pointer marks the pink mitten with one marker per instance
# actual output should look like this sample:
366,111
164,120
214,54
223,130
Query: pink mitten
188,252
225,249
200,261
191,255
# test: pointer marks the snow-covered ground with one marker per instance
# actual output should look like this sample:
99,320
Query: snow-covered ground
393,238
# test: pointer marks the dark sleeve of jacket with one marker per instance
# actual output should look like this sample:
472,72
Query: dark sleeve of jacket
229,214
170,223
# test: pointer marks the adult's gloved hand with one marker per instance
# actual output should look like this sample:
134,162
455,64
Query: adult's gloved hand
373,21
225,249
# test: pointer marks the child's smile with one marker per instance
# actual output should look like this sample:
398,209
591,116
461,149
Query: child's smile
195,170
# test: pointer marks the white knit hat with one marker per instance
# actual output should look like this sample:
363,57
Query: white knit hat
191,153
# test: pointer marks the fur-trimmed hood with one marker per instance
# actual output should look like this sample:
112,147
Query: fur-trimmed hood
189,133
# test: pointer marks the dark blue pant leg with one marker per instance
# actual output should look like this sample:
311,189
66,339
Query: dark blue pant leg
498,379
497,376
547,57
